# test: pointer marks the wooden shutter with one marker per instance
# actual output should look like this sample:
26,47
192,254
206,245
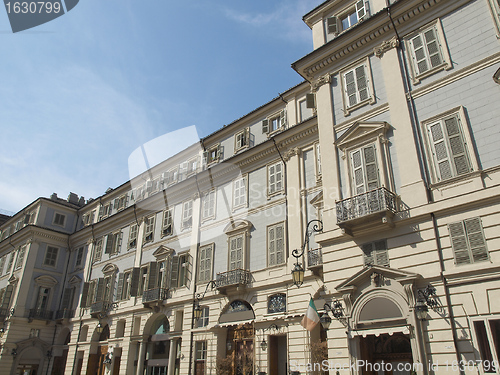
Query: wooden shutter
381,253
278,177
265,126
204,159
66,298
134,284
358,175
152,276
283,118
109,244
189,270
7,296
85,294
117,203
119,288
457,146
280,244
332,25
310,101
220,152
271,245
368,253
362,83
459,243
272,177
433,48
236,253
371,170
440,150
174,272
350,88
361,9
419,55
100,289
475,237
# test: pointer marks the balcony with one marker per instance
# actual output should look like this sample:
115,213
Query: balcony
234,278
156,295
41,314
314,258
101,309
65,314
367,207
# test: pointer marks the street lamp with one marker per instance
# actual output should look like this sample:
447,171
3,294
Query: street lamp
298,270
99,328
198,311
421,310
337,311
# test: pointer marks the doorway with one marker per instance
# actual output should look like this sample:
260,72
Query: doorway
277,356
241,349
386,354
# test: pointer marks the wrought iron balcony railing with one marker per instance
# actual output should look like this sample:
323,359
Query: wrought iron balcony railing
233,277
153,295
65,314
314,257
362,205
101,307
40,314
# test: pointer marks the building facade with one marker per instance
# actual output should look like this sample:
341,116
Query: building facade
388,146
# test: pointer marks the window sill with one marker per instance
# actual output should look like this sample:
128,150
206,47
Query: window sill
478,271
453,180
417,78
348,110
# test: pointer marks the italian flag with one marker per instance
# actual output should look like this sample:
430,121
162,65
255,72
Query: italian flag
311,318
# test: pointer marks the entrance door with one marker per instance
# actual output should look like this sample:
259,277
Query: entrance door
386,354
241,351
277,355
27,370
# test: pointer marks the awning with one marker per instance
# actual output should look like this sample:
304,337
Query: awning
160,337
232,324
379,331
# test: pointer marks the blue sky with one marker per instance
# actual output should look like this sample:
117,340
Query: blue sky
80,93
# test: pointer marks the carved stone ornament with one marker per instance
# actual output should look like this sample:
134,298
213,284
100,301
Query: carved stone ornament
320,82
386,46
196,195
377,279
291,153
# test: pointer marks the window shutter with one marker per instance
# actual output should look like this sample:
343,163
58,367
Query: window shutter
189,270
368,254
152,276
119,288
459,243
101,209
134,284
26,219
440,153
201,264
116,203
362,83
265,126
66,298
350,88
419,54
318,159
100,289
283,118
457,146
125,203
280,244
278,177
7,296
220,151
476,239
358,175
204,159
332,25
272,176
174,272
381,253
85,294
432,47
310,101
361,9
272,246
372,181
247,137
118,242
109,244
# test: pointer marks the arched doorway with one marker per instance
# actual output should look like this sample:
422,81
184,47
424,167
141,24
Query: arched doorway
98,361
392,350
60,352
239,317
158,349
30,362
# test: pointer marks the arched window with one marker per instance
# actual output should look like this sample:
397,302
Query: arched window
276,303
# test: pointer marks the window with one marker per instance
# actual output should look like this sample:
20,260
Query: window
59,219
205,263
105,211
448,146
275,244
183,169
138,194
487,332
276,303
346,19
79,257
20,257
192,166
34,332
468,241
11,262
495,10
375,253
428,53
2,264
242,139
132,236
187,214
121,203
149,228
172,176
237,252
98,250
357,86
181,270
167,227
208,205
143,280
42,301
51,256
88,218
203,321
212,155
240,192
113,243
306,108
274,122
364,169
200,356
274,178
318,161
125,292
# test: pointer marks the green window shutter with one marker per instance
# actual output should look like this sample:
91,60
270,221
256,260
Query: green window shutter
332,25
85,294
265,126
152,276
475,237
459,243
119,288
100,290
310,101
134,284
109,244
440,150
174,272
457,146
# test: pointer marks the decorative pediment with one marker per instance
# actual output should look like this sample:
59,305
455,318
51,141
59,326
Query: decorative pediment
317,201
75,280
46,281
32,342
162,252
376,275
109,268
12,280
238,225
361,131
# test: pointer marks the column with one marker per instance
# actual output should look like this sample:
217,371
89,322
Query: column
171,357
142,352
